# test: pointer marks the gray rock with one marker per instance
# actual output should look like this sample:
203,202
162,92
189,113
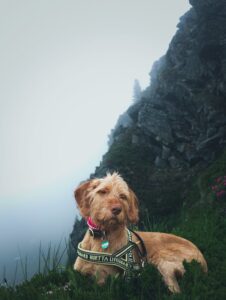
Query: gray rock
156,123
135,139
124,120
174,162
211,131
160,163
165,152
181,147
190,153
207,142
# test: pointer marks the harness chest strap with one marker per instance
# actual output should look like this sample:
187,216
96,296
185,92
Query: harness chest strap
106,258
115,259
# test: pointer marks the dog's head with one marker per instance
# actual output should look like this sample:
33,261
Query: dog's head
108,201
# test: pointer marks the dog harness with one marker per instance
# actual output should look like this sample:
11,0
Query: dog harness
123,258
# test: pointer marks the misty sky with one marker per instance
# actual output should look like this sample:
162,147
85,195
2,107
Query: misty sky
67,69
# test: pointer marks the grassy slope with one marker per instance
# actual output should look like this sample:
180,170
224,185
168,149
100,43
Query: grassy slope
202,220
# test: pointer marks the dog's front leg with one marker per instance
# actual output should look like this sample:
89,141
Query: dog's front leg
99,273
100,278
84,267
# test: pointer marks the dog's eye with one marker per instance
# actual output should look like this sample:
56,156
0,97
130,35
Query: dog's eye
123,196
102,192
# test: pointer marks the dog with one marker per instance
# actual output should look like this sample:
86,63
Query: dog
109,205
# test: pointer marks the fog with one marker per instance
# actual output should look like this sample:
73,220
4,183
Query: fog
67,69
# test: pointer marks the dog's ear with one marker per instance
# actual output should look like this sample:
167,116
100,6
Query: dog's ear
82,196
133,214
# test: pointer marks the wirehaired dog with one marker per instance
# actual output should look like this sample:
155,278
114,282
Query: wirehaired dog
109,205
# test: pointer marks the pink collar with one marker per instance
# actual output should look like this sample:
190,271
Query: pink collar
95,230
91,224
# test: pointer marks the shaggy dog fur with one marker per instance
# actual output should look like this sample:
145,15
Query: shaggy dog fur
111,204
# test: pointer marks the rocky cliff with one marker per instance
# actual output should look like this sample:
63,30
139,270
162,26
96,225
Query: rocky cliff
178,127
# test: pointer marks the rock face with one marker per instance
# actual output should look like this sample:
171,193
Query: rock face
179,126
187,105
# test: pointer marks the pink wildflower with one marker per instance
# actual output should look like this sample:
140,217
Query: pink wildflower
220,193
219,179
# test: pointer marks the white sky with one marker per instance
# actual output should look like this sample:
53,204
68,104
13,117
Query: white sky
67,69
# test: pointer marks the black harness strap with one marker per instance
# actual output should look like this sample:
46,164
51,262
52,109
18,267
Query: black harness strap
143,254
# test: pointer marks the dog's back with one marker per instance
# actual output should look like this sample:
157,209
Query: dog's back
167,252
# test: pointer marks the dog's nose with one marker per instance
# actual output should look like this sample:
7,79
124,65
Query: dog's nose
116,210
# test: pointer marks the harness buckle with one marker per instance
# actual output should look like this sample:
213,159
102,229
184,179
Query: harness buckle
95,233
91,232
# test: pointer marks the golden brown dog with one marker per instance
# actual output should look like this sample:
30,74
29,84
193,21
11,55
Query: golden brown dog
112,205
